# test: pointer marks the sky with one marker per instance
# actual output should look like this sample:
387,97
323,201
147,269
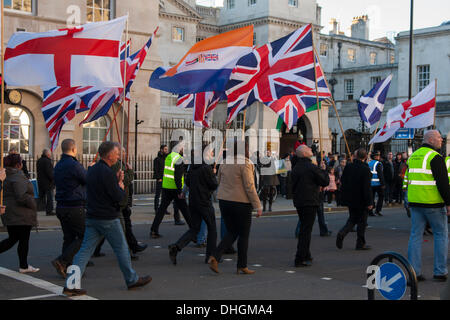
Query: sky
387,17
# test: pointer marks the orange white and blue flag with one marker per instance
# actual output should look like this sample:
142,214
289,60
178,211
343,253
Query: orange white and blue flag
207,65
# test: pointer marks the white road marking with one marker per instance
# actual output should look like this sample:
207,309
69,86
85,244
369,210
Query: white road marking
39,297
40,283
227,259
257,265
201,254
325,278
157,247
289,271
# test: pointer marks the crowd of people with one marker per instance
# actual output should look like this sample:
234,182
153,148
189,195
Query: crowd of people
94,205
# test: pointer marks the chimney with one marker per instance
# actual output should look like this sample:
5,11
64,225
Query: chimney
360,27
334,22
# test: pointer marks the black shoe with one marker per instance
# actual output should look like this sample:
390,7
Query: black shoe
142,281
408,213
420,278
371,214
230,250
364,247
306,263
428,232
180,223
200,245
168,213
378,214
98,255
440,278
327,234
339,241
155,235
140,247
90,264
74,292
173,250
133,257
59,268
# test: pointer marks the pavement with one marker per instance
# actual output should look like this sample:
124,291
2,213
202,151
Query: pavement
335,274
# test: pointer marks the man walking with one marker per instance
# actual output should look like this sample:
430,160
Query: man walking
70,182
388,170
307,179
377,182
46,183
172,188
357,195
429,201
105,191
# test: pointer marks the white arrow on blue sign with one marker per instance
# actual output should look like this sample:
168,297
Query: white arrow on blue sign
391,281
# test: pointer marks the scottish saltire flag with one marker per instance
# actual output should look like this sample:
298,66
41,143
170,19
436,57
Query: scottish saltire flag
281,68
203,104
82,56
207,65
371,105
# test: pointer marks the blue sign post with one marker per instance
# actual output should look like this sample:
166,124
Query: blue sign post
391,281
404,133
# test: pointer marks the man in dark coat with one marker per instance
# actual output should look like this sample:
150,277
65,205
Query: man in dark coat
357,195
388,171
158,172
307,179
45,180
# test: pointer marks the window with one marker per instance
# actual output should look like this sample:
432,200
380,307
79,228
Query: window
293,3
423,76
239,122
93,134
19,5
374,81
21,30
348,85
392,58
373,58
323,49
17,130
230,4
99,10
177,34
198,39
254,38
251,2
351,55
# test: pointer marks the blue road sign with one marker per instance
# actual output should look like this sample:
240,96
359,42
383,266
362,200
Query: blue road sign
404,133
391,281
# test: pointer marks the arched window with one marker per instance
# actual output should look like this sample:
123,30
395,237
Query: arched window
18,128
93,134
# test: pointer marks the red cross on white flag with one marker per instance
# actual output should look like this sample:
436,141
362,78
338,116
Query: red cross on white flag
84,56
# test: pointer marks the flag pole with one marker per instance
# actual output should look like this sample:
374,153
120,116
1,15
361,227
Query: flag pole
128,129
243,124
435,103
374,134
124,87
2,115
334,106
317,98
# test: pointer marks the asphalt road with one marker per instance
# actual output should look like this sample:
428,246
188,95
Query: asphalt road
335,274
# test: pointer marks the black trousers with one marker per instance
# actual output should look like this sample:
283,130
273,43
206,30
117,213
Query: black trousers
199,213
176,213
267,194
307,216
131,239
19,234
73,224
237,217
380,191
169,195
46,199
358,217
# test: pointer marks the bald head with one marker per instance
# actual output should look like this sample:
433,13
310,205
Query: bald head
304,152
433,138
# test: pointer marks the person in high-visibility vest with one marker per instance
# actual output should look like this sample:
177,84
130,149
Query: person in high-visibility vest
377,182
429,201
172,188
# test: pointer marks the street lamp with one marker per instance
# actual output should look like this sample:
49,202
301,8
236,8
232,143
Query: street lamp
136,123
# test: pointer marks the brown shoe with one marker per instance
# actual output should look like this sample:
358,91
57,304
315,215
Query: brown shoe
213,264
245,271
142,281
74,292
59,268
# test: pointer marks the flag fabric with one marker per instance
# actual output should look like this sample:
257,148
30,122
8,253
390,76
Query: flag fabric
203,104
82,56
415,113
289,109
371,105
281,68
207,65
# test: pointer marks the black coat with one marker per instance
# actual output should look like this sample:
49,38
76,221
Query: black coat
45,179
202,182
70,182
388,172
158,166
356,189
307,179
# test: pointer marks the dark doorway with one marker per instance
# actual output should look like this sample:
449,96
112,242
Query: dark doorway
289,137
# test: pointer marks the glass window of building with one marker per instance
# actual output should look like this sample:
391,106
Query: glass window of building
19,5
99,10
251,2
373,58
178,34
293,3
348,84
230,4
17,131
423,76
351,55
392,58
323,49
374,81
93,134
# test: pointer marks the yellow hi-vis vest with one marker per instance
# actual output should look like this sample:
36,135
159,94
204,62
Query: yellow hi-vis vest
421,184
447,164
169,171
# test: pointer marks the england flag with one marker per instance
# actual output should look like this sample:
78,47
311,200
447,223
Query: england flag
371,105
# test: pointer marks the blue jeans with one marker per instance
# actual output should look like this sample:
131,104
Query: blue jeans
112,230
437,219
201,236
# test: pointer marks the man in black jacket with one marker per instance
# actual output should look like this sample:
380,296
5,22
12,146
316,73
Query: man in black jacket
388,170
45,180
70,183
357,195
306,182
158,172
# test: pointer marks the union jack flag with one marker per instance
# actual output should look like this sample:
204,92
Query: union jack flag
281,68
203,103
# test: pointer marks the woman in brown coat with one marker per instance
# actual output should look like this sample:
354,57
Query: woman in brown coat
237,198
20,214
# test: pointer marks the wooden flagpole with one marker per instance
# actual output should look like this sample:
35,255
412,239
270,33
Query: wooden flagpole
319,116
124,87
2,115
435,103
374,133
128,129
